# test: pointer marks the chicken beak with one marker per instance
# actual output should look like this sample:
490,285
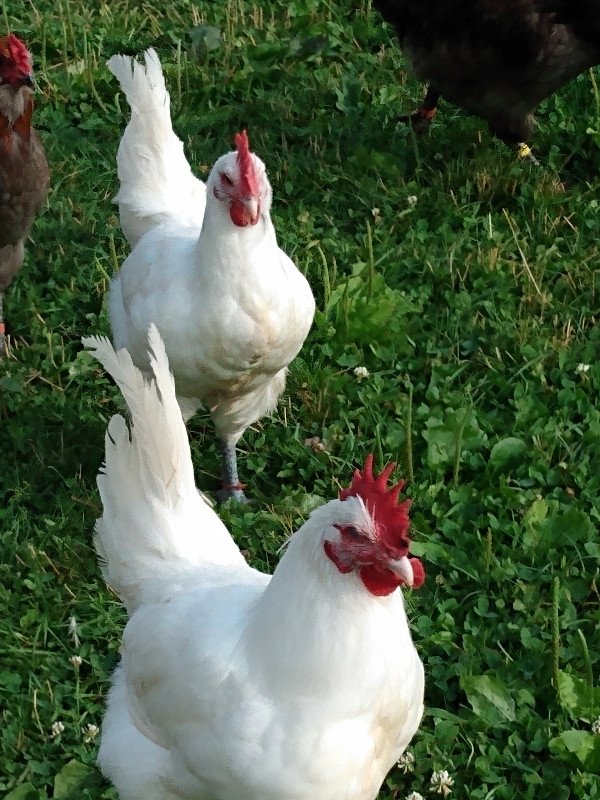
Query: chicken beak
403,568
28,80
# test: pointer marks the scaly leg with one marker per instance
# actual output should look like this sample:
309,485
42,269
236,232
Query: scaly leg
232,488
422,117
514,136
524,151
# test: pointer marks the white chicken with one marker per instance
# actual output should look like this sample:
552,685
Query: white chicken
234,684
232,308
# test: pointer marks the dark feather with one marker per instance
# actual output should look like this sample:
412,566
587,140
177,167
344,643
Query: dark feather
24,172
498,59
24,180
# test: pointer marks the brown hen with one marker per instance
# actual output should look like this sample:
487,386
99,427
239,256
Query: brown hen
498,59
24,172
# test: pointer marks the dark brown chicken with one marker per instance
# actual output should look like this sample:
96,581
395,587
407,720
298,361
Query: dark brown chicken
498,59
24,173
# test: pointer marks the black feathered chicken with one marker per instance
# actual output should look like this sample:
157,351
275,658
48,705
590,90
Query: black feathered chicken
498,59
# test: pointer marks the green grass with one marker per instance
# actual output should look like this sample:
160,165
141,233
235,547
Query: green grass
471,308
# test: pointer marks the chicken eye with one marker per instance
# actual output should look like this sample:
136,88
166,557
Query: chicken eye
226,179
352,532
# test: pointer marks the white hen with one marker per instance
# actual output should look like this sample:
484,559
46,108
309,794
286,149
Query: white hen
234,684
233,310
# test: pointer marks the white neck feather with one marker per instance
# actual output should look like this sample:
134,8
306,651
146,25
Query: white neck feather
319,626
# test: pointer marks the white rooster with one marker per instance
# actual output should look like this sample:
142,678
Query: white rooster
232,308
234,684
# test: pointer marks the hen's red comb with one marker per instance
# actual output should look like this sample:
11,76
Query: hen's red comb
390,516
248,182
12,48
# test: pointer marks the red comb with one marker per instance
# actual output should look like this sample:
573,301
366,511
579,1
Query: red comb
12,47
248,182
390,516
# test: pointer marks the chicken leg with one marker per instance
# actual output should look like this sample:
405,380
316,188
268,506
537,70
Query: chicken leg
421,118
232,488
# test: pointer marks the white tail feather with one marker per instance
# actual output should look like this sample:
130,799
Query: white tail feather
156,529
156,180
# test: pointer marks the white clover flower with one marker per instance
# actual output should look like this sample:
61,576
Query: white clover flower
57,729
315,444
73,629
582,369
361,372
441,782
90,732
406,762
76,661
596,726
415,796
412,199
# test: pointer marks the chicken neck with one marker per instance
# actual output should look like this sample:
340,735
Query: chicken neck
322,629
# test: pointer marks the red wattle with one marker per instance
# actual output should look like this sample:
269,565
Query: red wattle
378,580
418,572
241,216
